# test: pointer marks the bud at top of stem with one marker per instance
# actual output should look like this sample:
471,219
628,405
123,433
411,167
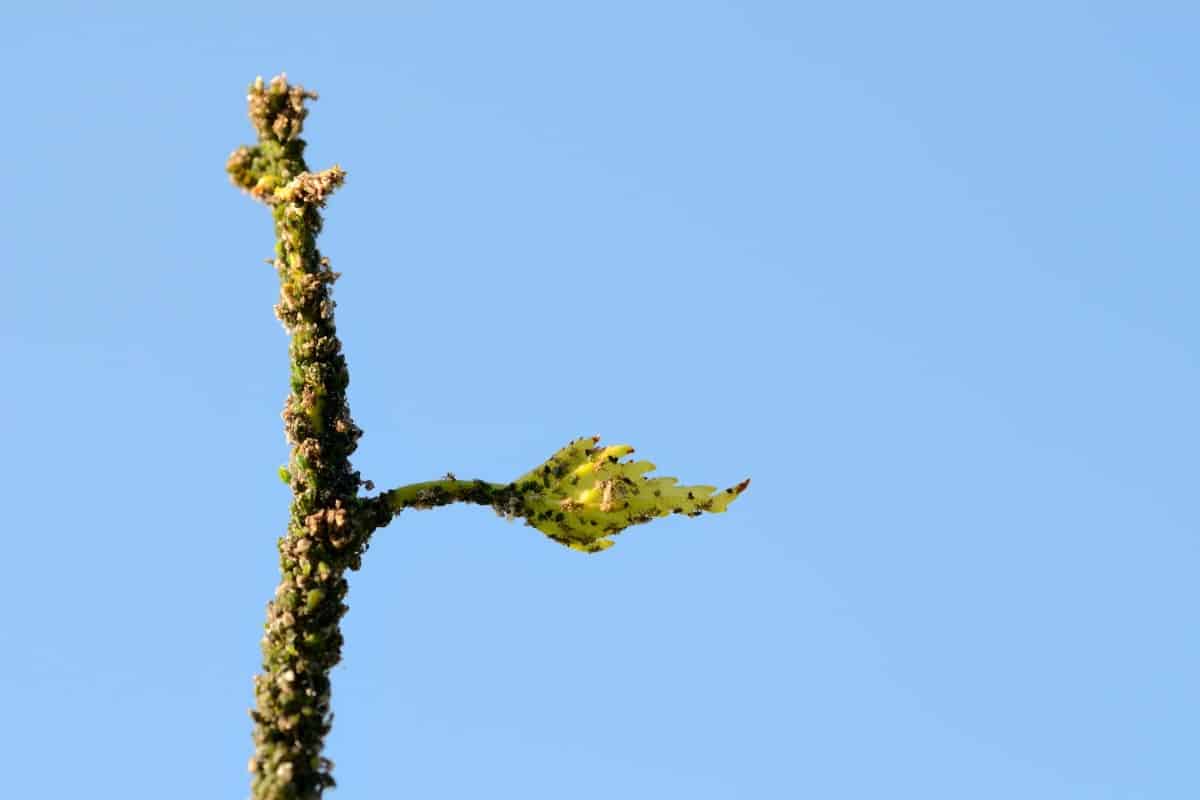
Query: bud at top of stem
277,109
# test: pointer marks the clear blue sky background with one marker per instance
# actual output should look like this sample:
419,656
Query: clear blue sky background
925,271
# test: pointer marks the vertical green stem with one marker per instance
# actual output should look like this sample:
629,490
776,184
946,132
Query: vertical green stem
303,639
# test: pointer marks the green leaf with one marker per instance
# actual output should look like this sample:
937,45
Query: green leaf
584,494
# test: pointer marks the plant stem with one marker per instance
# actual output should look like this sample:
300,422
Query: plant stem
324,539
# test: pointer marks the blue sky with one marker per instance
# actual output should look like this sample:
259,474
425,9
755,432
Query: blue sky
926,272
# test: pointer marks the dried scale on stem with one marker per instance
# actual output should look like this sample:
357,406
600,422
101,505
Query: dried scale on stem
580,497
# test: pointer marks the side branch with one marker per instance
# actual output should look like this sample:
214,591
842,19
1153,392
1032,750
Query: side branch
375,512
581,497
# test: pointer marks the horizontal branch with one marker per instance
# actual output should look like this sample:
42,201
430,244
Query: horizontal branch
581,497
439,493
378,511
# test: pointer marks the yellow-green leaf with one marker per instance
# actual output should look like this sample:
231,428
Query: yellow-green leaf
585,493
